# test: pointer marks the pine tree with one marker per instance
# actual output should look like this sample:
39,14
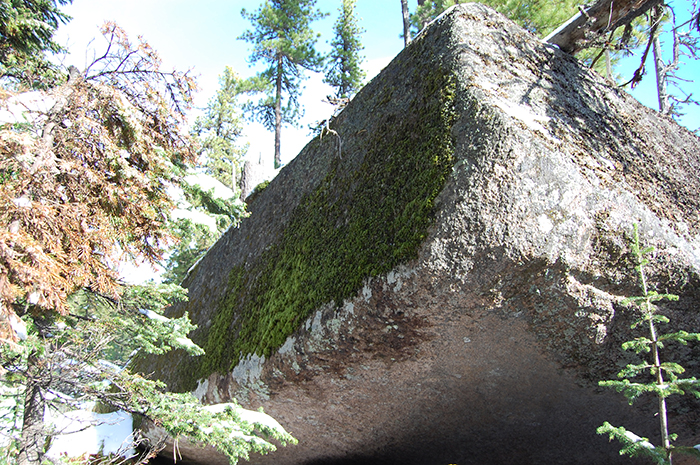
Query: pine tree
537,16
663,377
216,133
26,32
219,128
283,40
81,188
194,239
343,69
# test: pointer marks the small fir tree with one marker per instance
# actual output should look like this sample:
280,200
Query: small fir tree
343,69
282,40
665,379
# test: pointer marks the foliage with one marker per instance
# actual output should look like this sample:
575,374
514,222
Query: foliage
283,41
356,224
194,239
73,369
87,184
227,212
605,54
82,187
219,128
26,32
216,133
538,16
131,318
665,379
343,69
162,98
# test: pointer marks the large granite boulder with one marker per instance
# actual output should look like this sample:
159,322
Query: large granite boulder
445,288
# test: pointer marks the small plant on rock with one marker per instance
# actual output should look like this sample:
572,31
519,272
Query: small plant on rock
665,380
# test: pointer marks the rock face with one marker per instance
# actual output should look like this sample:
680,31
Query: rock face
446,288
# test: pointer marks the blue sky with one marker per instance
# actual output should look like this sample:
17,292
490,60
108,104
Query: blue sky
203,35
646,93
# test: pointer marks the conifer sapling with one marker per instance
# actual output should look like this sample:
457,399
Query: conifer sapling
665,375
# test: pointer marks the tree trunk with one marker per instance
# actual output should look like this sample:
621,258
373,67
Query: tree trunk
344,90
660,77
278,114
234,181
599,19
406,23
33,438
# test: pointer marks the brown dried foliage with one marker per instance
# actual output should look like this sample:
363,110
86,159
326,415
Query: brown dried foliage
84,185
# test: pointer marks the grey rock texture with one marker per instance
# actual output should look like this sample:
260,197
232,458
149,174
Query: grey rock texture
487,346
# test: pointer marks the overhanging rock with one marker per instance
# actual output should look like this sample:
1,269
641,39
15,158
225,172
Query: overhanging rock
446,288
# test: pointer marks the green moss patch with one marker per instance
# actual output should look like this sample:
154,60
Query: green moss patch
360,222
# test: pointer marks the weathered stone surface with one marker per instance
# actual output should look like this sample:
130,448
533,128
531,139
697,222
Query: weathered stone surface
487,345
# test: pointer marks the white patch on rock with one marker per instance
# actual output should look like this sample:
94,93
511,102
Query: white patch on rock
367,292
545,224
524,114
394,277
594,304
202,388
349,308
288,345
249,369
316,323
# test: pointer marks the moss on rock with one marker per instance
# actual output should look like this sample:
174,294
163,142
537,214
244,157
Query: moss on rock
360,222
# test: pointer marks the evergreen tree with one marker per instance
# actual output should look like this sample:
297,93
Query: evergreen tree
195,239
81,188
661,379
216,133
218,129
537,16
344,70
283,40
26,32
